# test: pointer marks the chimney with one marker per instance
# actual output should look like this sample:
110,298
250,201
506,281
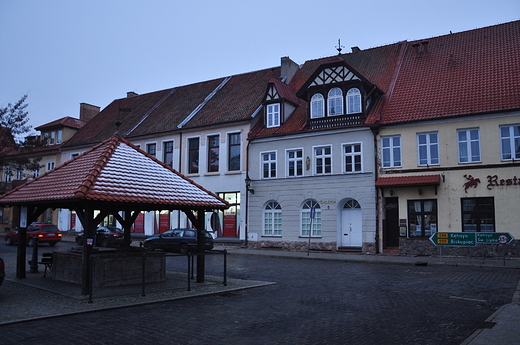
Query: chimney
289,68
131,94
355,49
88,111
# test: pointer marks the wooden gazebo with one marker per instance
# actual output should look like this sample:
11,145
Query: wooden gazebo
116,178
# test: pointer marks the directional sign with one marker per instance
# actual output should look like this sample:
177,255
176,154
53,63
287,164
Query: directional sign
494,237
470,239
454,239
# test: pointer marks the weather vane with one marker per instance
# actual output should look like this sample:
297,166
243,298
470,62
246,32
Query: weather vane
339,48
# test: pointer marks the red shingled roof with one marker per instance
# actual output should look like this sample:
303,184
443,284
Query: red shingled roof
464,73
64,122
115,171
408,181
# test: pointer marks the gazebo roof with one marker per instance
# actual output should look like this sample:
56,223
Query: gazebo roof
118,173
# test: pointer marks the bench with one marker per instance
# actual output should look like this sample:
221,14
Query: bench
46,260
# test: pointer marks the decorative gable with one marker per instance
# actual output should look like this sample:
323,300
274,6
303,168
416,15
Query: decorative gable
279,103
272,93
337,74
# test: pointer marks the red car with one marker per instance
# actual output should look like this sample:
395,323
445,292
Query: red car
43,232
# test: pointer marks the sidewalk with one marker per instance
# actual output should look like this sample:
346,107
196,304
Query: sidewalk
58,298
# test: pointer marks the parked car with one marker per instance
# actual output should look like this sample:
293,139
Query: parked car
105,236
177,240
43,232
2,271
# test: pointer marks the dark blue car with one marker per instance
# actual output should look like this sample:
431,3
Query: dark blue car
177,240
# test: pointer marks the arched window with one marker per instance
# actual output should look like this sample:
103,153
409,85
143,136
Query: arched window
311,218
335,101
351,204
317,106
353,101
272,219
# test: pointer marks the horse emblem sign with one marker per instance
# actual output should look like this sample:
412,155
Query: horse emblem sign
471,182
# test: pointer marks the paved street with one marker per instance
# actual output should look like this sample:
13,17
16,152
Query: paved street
313,302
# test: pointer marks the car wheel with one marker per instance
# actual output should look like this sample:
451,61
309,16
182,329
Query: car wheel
31,242
105,242
79,240
183,247
52,244
149,246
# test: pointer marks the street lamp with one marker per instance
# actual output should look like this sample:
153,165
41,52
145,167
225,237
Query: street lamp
252,191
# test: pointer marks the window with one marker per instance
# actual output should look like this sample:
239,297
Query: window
273,115
428,148
323,159
213,152
272,219
168,153
59,136
295,163
317,106
7,174
422,217
151,149
193,156
311,218
50,166
510,142
36,173
353,101
469,145
234,152
352,158
391,147
269,165
478,214
335,101
19,173
52,139
74,155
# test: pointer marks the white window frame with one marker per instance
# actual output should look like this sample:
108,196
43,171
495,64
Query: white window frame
352,155
317,106
305,219
50,165
19,173
59,136
353,101
427,148
392,150
52,138
510,142
36,173
335,102
272,219
320,159
268,159
273,115
293,171
469,146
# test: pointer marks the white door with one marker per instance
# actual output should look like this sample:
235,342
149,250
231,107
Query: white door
351,224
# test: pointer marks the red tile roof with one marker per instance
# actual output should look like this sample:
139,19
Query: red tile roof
115,171
63,122
466,73
408,181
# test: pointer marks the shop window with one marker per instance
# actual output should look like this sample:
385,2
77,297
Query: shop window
422,217
478,214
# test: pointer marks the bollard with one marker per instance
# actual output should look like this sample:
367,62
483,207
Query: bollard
34,260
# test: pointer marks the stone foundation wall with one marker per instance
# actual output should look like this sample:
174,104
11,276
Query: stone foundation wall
424,247
300,246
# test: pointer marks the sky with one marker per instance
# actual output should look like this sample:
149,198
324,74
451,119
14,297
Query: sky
62,53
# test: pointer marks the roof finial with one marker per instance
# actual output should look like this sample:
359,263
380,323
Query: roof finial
117,123
339,48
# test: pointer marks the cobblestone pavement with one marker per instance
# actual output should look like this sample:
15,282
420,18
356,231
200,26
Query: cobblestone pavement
312,302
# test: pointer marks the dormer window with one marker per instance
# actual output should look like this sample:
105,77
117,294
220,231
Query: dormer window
273,115
317,106
335,102
353,101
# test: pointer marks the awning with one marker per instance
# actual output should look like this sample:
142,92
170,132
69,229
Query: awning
408,181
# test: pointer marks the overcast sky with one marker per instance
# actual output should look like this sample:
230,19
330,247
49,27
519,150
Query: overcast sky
63,52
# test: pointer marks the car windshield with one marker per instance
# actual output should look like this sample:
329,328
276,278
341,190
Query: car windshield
49,228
